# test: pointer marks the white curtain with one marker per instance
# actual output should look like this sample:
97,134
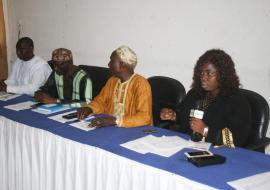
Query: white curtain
34,159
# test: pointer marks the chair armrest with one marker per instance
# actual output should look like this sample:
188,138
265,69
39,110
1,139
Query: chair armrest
260,146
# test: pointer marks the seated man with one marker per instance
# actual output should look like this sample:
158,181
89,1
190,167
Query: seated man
67,84
29,72
126,95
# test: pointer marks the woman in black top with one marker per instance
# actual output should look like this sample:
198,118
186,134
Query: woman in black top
215,90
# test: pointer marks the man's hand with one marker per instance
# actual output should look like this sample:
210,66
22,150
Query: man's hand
167,114
44,98
3,86
83,112
102,122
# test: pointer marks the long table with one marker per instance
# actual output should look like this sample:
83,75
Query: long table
40,153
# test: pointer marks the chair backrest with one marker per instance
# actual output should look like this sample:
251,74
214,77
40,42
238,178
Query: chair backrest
166,92
260,116
98,75
50,62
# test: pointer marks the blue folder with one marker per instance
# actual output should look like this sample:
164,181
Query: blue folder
51,107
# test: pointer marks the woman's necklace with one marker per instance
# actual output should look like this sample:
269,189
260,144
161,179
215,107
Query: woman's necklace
208,100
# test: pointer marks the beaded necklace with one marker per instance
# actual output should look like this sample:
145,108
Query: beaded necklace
207,101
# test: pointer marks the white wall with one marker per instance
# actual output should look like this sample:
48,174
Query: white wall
167,35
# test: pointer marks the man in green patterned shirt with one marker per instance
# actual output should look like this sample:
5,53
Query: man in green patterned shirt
68,84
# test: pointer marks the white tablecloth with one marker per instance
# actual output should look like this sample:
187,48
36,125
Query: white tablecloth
34,159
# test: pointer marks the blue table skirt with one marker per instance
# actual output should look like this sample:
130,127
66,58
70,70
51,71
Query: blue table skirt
240,162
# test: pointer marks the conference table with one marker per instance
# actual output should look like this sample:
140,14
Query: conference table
39,153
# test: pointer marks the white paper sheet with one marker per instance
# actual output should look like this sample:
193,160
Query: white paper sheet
163,146
20,106
259,182
83,124
200,145
60,118
139,145
7,96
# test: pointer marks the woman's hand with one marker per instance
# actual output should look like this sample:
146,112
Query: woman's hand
167,114
197,125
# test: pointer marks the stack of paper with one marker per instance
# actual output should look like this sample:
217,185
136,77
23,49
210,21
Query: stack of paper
50,108
200,145
7,96
164,146
20,106
259,182
60,118
83,124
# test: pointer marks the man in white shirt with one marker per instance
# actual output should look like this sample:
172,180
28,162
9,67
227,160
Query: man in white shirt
29,71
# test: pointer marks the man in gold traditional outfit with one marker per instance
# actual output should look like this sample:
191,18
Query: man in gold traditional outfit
126,95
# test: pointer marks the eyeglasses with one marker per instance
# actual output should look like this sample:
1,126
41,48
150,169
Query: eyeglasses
209,74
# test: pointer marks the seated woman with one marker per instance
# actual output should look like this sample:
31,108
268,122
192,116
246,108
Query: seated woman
226,117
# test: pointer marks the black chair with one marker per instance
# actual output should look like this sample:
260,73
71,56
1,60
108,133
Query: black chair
166,92
257,139
51,64
98,75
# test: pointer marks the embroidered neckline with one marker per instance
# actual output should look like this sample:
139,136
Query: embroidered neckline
120,94
132,76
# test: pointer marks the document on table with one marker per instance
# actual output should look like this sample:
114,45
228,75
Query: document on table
259,182
20,106
200,145
163,146
4,96
50,108
83,124
60,118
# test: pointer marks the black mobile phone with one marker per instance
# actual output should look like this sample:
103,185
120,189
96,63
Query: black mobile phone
149,131
207,160
70,115
37,105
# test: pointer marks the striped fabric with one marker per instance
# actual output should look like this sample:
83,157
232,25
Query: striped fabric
60,85
75,87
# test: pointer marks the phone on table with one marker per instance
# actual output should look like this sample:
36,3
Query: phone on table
207,160
34,106
203,153
149,131
70,115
